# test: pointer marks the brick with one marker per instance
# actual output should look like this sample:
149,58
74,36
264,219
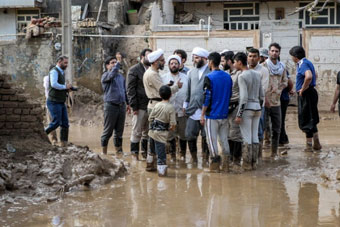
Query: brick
9,104
26,131
9,110
4,91
5,97
28,118
6,85
17,111
13,118
9,125
2,117
25,111
21,98
5,132
17,125
36,111
25,105
25,125
2,124
13,98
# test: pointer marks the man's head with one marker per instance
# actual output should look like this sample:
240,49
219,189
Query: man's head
253,57
200,56
274,51
143,55
110,62
240,60
62,62
183,55
263,54
174,62
214,60
227,60
297,53
165,92
156,58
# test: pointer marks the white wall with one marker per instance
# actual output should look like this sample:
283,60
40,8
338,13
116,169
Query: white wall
8,24
16,3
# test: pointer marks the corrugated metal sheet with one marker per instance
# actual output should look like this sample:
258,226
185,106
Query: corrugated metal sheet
16,3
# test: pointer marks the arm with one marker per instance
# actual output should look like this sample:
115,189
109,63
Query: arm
265,79
187,99
207,98
54,81
335,98
243,97
152,115
132,89
107,77
173,122
306,82
284,82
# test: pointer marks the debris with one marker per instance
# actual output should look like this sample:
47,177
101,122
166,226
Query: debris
10,148
325,177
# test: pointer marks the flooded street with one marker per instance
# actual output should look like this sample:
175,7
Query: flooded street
286,192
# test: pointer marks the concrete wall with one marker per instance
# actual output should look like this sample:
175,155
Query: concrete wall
8,24
16,3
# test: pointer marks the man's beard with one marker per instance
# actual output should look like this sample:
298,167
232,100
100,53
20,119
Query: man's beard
160,66
226,67
146,62
63,67
174,70
200,64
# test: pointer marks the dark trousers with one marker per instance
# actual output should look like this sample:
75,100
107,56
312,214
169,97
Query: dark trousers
274,113
283,135
159,148
114,120
59,116
308,114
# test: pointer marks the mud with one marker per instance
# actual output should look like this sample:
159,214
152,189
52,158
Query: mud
297,189
35,171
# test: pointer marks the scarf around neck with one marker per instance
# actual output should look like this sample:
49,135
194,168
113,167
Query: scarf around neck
275,69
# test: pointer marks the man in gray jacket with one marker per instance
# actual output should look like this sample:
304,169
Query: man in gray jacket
194,101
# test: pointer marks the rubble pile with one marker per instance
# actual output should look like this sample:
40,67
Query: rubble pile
38,26
36,171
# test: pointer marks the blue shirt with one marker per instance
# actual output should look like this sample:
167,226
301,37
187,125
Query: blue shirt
113,84
217,91
54,79
302,66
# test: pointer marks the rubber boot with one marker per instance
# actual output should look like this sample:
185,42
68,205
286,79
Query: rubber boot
134,147
205,151
104,150
173,150
193,150
309,147
237,153
214,166
225,163
255,155
246,156
118,145
275,146
183,149
260,149
316,142
144,145
63,136
162,170
150,163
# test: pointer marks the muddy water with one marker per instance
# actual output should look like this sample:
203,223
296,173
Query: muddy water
286,192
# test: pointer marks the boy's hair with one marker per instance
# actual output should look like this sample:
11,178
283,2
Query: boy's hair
62,58
182,53
240,56
276,45
215,58
228,55
165,92
254,51
298,52
142,54
108,59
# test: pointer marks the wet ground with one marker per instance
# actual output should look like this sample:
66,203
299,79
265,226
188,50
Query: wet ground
299,189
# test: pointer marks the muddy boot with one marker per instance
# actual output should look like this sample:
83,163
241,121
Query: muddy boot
225,163
162,170
214,165
173,150
104,150
205,151
255,155
193,150
144,144
267,139
309,147
237,153
118,145
260,149
246,156
183,149
150,163
275,146
119,150
134,147
63,136
316,146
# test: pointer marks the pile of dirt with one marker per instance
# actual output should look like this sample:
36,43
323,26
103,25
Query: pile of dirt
36,171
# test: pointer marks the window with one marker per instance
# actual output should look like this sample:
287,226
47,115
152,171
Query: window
328,17
241,16
24,17
279,13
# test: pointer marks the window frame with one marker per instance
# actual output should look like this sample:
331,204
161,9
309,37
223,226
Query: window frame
21,24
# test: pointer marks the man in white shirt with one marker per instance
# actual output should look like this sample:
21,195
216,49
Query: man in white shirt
177,99
194,101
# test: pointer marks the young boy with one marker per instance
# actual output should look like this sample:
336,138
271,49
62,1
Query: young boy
162,119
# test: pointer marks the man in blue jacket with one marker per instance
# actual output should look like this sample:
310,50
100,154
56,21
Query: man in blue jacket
217,92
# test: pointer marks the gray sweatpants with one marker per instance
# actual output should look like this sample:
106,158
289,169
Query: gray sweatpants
250,126
217,129
140,126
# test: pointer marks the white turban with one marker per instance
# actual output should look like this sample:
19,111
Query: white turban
200,52
224,51
174,57
153,56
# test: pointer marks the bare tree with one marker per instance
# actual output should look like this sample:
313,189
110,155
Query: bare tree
311,7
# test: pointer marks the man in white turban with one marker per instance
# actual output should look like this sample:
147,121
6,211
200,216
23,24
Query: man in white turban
172,77
194,101
152,83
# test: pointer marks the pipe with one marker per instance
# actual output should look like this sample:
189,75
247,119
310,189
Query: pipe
200,24
209,21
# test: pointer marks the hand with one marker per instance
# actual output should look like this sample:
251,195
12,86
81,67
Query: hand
238,120
267,103
179,83
128,109
135,112
291,92
183,109
300,92
172,128
202,121
68,86
332,108
119,57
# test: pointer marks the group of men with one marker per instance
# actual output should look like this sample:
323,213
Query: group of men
230,99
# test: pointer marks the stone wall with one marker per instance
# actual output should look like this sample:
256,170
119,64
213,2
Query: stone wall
19,117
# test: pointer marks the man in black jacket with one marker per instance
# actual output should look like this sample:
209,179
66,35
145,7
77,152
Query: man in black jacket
138,102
